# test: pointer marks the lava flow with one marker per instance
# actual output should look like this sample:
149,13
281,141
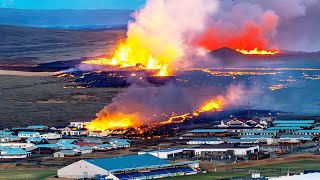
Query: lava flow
121,122
256,51
128,56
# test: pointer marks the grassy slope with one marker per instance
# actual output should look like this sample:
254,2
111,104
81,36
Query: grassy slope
30,46
43,100
27,174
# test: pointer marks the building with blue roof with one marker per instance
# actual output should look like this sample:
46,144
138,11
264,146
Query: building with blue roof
285,129
293,122
66,141
313,132
242,141
13,153
120,143
294,125
5,133
36,140
269,139
37,128
260,132
108,167
212,131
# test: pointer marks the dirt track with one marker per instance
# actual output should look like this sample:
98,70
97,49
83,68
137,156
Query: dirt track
211,167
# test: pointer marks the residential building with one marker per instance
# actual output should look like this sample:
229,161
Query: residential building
27,134
10,138
120,143
16,145
51,136
269,139
66,153
103,147
13,153
6,133
37,128
36,140
79,125
295,138
209,140
84,150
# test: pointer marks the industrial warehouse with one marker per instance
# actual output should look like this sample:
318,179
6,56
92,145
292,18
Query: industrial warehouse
143,166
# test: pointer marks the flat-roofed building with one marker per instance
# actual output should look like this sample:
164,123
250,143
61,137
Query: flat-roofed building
168,153
208,132
269,139
224,149
285,129
143,166
260,132
27,134
295,138
208,140
313,132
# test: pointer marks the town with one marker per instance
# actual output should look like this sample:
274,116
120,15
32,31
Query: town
228,141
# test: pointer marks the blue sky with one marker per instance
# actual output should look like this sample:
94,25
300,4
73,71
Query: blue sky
72,4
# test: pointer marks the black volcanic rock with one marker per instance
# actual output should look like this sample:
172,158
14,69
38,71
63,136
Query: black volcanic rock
225,53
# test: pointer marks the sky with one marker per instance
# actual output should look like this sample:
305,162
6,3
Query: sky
72,4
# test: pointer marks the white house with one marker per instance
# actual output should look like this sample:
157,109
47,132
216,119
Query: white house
120,143
84,150
51,136
17,145
10,138
79,125
26,134
103,147
98,134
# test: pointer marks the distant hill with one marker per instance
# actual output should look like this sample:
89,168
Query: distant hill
66,19
231,53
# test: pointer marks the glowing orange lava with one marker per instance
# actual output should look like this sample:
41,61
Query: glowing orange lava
128,55
111,122
119,121
258,52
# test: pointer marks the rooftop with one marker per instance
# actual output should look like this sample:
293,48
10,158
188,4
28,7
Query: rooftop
241,140
284,128
36,127
295,136
164,150
293,125
224,146
309,131
260,131
207,131
293,122
37,139
256,137
13,151
27,132
129,162
206,139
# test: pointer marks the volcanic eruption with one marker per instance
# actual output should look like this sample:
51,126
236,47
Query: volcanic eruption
167,35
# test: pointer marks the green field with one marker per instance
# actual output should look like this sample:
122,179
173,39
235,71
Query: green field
267,170
27,174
